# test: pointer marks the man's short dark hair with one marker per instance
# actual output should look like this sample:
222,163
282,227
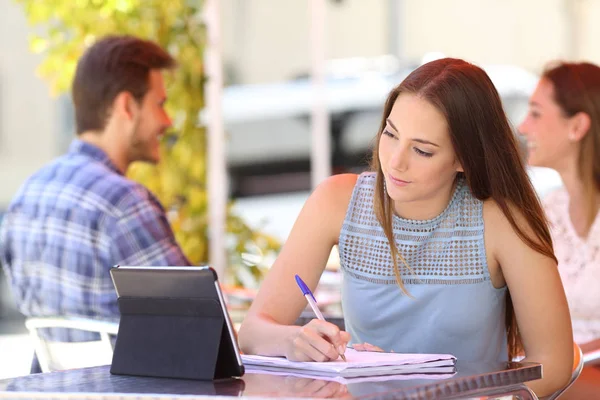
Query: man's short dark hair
112,65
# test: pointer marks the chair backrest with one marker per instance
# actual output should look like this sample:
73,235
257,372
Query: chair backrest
577,368
591,357
55,356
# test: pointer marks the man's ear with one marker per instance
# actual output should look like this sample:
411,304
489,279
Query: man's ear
125,106
580,126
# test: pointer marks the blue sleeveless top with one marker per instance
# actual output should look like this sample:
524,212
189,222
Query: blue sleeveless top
455,308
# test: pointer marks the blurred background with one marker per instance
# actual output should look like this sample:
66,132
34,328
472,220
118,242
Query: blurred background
267,61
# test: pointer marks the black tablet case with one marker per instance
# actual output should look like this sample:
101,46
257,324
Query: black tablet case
173,338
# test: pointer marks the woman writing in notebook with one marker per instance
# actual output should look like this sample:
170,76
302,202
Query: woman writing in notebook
444,247
563,133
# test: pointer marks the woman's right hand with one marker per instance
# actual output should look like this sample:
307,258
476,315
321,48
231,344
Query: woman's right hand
317,341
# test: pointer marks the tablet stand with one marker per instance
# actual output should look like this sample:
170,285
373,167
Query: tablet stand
172,338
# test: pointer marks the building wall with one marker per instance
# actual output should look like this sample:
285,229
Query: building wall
524,33
268,40
587,29
28,116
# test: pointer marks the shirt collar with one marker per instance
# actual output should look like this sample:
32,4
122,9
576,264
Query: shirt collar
89,150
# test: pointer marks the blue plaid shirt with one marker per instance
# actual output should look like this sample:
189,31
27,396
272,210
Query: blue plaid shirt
68,225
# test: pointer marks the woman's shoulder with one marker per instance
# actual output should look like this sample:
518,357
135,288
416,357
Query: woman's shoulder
498,227
337,188
495,216
494,221
327,205
508,223
333,197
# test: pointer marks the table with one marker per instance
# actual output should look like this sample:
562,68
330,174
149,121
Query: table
469,380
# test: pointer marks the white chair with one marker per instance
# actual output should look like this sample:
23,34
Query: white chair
55,356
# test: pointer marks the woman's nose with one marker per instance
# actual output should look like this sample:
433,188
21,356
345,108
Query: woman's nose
400,159
522,128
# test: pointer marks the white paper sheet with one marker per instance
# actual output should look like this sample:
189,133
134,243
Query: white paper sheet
359,363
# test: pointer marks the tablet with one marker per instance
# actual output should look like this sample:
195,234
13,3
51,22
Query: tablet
176,282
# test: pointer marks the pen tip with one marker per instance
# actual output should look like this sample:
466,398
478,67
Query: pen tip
343,357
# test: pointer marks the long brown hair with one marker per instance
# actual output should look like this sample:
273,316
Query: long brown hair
486,148
577,89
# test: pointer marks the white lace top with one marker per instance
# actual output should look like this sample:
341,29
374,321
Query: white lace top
578,264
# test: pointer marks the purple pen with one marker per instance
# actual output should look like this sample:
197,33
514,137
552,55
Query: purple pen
312,302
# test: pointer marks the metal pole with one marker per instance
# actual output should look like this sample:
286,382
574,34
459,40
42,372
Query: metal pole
217,169
573,22
320,136
395,24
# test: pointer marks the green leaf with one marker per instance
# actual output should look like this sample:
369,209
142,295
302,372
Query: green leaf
38,44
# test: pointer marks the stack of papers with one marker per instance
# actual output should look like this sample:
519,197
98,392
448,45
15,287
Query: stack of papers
359,364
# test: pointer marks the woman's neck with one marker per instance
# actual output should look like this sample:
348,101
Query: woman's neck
426,209
584,200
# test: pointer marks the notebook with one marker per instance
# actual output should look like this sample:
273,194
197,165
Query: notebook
359,364
358,379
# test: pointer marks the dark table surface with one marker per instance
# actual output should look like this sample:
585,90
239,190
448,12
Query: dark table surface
97,382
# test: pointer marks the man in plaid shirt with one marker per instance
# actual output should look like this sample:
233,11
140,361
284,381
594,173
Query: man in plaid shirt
78,216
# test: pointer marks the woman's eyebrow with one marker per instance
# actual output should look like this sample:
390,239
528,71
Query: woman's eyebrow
418,140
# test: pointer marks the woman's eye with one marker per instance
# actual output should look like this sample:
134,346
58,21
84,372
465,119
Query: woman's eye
534,114
422,153
388,133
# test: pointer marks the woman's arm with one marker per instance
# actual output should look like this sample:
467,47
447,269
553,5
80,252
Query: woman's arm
538,298
268,328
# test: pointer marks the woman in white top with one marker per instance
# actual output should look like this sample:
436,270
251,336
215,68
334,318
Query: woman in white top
563,133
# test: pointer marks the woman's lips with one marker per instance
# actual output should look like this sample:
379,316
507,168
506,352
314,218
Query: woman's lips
398,182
